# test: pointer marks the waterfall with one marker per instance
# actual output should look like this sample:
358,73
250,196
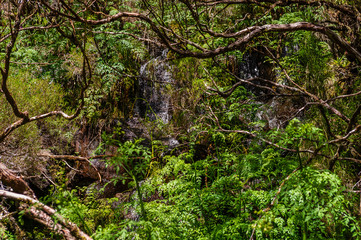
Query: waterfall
154,99
249,66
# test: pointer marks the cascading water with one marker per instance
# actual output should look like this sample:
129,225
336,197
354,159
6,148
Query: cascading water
249,66
154,100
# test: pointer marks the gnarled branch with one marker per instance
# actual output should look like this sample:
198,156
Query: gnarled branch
44,214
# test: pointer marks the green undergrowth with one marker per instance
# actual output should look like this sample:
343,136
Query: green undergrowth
227,195
202,201
223,185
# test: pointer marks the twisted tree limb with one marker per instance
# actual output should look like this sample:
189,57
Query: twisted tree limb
45,214
23,121
5,70
24,116
242,37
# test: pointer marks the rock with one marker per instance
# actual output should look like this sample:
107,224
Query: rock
154,99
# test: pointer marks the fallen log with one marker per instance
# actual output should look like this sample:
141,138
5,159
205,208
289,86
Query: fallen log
17,183
47,216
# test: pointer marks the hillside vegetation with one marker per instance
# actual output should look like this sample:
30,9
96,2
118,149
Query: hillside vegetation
189,119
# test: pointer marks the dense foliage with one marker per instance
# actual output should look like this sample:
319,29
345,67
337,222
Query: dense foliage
263,140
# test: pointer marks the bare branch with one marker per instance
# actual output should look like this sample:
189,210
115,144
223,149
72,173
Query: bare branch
78,158
313,96
6,69
242,37
22,122
45,214
29,28
349,134
342,8
353,119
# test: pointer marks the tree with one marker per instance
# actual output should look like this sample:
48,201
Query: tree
214,30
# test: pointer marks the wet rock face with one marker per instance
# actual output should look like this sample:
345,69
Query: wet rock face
154,99
279,111
275,111
253,65
249,66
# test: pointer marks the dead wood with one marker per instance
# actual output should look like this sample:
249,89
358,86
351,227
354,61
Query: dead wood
47,216
17,183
